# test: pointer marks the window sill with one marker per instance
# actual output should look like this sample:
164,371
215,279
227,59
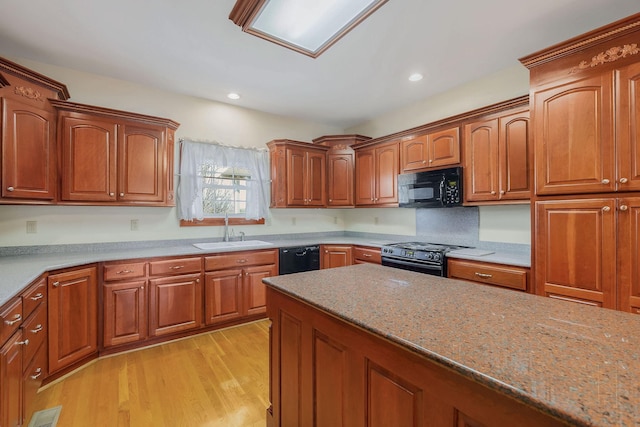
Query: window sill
220,221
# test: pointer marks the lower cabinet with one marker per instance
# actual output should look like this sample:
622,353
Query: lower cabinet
73,316
366,254
505,276
233,284
11,381
336,256
326,372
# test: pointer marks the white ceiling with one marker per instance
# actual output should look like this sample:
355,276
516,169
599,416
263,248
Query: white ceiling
191,47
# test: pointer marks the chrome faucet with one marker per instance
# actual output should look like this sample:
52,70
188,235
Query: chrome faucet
241,236
226,228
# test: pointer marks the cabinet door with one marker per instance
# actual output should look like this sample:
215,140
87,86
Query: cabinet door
365,177
514,156
11,382
340,180
28,152
175,304
125,312
33,375
316,178
223,295
141,166
629,254
414,154
481,161
628,128
574,137
296,165
88,159
444,148
386,172
254,290
73,312
575,247
336,256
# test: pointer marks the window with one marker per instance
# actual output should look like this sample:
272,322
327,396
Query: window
218,181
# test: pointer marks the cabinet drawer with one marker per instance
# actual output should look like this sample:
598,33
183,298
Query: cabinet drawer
122,271
492,274
34,329
10,319
240,259
366,254
33,296
175,266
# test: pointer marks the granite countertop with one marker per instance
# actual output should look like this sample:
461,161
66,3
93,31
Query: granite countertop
578,363
18,271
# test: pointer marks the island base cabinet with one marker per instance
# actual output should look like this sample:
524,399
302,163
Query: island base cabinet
326,372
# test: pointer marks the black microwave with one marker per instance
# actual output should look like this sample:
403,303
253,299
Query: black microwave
431,189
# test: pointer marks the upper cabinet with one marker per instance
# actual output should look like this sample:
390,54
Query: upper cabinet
377,168
114,157
585,112
58,152
340,168
432,150
28,137
298,174
496,155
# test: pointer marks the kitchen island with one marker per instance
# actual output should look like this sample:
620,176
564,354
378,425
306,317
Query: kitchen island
377,346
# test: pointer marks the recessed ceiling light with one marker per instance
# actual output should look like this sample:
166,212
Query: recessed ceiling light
233,96
306,26
415,77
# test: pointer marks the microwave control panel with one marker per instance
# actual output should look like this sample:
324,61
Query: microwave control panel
451,192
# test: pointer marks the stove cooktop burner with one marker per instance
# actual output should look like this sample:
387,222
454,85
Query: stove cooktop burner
422,246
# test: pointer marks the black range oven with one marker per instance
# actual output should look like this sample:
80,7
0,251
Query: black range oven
429,258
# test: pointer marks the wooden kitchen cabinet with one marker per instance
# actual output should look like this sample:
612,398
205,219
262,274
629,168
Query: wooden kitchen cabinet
175,295
124,302
506,276
114,157
432,150
11,393
366,254
377,169
73,316
496,152
575,252
28,159
233,284
298,174
336,256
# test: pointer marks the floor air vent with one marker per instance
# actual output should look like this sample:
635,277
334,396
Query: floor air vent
46,417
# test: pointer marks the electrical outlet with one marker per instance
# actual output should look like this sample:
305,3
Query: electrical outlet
32,227
134,225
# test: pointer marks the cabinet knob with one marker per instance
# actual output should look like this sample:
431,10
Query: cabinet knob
624,207
10,188
493,193
605,181
111,194
15,320
330,200
623,180
501,191
121,194
430,161
424,161
56,284
197,280
606,209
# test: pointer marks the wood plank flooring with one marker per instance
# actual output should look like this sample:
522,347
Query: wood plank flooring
215,379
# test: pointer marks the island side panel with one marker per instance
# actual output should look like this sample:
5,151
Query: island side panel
328,372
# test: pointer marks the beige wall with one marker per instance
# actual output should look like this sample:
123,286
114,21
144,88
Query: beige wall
203,119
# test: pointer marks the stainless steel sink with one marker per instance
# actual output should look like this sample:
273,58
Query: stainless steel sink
229,245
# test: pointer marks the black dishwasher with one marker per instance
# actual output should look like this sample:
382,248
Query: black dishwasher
298,259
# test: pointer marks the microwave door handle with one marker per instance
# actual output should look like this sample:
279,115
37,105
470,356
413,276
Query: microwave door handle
442,195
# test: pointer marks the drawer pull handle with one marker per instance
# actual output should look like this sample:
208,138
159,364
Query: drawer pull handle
37,329
124,272
176,267
37,374
367,255
37,296
16,319
484,275
241,261
25,342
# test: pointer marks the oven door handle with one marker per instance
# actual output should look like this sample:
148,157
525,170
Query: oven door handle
424,264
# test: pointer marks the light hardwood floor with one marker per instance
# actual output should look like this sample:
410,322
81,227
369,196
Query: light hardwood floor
215,379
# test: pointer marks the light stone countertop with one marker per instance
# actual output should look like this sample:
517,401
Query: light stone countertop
578,363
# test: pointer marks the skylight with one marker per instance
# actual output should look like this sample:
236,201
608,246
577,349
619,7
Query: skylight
306,26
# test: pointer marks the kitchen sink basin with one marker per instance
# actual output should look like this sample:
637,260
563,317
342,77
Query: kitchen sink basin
232,245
